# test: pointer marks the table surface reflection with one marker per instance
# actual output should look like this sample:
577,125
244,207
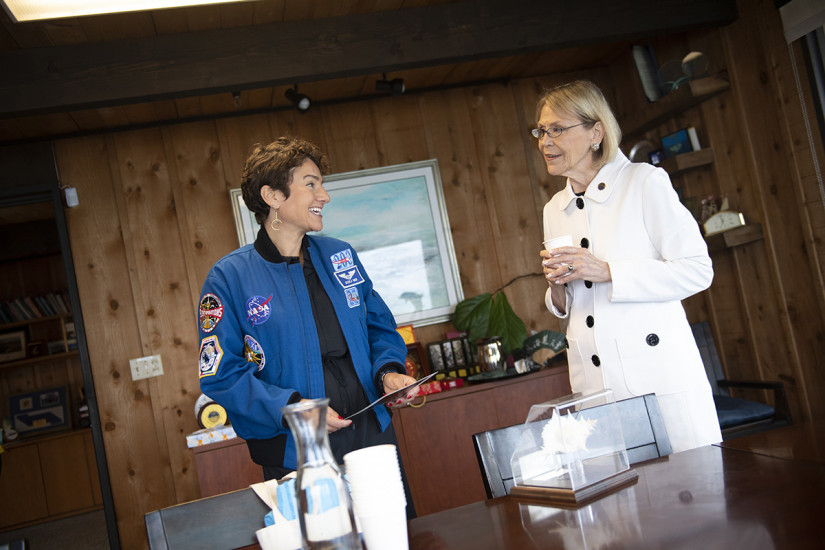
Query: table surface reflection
706,498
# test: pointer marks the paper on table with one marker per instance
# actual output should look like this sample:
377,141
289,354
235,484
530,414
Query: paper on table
392,396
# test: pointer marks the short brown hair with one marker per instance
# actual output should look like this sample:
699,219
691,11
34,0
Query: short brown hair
272,165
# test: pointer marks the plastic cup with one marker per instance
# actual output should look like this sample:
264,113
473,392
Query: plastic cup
386,528
280,536
556,242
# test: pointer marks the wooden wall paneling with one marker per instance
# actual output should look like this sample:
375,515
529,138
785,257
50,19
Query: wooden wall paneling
236,136
448,131
398,130
311,128
516,227
806,143
768,152
162,296
727,297
811,343
352,145
139,483
202,203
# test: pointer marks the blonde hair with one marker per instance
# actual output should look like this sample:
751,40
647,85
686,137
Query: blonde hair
585,101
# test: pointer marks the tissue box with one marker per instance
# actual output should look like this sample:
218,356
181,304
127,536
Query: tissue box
571,445
210,435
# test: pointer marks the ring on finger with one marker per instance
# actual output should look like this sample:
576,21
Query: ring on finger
569,267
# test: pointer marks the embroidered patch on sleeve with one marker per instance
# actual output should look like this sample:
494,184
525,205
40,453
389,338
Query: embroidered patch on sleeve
342,260
210,311
349,277
210,356
253,352
258,310
353,299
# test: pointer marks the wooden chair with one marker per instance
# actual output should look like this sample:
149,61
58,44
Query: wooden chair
642,426
215,523
738,417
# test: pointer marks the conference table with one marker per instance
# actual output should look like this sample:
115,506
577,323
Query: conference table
758,492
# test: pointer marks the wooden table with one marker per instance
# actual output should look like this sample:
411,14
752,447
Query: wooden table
804,441
707,498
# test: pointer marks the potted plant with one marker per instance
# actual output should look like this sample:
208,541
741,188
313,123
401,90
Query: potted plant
487,315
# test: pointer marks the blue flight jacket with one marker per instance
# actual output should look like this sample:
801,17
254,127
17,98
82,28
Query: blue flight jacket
259,344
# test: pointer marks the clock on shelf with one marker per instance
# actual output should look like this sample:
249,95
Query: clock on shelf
723,221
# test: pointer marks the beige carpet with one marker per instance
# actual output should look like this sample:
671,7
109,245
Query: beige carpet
82,532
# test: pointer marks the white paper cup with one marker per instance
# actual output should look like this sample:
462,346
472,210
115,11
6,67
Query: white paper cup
280,536
564,240
386,529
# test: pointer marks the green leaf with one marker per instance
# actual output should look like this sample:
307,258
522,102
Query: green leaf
472,316
505,323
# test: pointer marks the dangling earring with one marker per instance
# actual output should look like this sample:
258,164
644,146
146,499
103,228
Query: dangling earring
595,147
275,222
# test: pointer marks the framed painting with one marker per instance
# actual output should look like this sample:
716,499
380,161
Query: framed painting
396,220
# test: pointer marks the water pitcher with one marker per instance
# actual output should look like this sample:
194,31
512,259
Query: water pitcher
326,516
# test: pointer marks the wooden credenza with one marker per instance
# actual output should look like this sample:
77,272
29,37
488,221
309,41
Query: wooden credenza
435,441
48,477
225,466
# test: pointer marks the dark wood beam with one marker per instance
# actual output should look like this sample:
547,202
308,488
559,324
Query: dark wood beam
61,78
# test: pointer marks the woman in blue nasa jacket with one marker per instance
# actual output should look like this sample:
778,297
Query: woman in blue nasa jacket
294,316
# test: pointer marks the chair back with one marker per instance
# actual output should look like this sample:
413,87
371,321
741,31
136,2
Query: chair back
642,426
707,349
215,523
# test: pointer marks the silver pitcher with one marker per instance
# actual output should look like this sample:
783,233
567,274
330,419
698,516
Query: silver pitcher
490,356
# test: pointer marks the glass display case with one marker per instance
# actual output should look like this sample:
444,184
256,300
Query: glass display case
571,450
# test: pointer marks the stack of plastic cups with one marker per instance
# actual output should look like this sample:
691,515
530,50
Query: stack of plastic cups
378,496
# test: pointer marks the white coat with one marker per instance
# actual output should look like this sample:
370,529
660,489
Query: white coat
631,334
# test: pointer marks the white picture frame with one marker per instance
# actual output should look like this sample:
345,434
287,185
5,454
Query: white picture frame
12,346
396,219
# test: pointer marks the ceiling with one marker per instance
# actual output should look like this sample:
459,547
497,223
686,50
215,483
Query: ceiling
79,75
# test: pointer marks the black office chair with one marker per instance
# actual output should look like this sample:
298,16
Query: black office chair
215,523
738,417
642,426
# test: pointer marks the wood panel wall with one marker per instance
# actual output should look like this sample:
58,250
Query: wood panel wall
154,215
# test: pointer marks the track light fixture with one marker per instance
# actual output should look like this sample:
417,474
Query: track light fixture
394,86
301,102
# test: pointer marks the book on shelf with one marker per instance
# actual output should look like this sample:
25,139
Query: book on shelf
65,305
45,306
22,309
5,314
35,311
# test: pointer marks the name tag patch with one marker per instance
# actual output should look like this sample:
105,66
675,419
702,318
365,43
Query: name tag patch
349,277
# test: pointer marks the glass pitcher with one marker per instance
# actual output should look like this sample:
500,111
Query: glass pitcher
325,507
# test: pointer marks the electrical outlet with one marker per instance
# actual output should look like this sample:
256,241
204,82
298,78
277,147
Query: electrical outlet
146,367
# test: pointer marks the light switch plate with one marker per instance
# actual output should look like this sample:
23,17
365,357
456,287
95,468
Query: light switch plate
146,367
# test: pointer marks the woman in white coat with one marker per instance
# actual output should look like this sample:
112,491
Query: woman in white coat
637,253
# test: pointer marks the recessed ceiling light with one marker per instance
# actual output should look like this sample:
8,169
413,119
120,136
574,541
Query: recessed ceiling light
31,10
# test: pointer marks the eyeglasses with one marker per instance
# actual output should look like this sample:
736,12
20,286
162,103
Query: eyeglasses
553,132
